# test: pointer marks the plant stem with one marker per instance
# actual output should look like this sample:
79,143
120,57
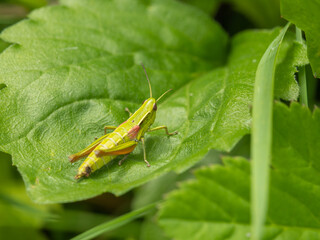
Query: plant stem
302,74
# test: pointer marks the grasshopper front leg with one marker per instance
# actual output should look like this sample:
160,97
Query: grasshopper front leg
127,110
163,127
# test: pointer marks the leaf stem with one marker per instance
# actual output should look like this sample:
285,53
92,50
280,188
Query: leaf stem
302,74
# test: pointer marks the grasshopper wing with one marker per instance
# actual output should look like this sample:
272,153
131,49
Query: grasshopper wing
121,149
86,151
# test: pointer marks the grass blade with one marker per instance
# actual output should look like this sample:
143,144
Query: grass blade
262,134
115,223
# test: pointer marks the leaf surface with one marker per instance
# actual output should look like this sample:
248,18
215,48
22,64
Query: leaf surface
305,15
74,68
216,205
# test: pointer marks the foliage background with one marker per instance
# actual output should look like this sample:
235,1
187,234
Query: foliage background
217,69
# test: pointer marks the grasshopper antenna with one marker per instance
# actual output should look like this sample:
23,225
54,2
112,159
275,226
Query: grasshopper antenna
163,94
147,79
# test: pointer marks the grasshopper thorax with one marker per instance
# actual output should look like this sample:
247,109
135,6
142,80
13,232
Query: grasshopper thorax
146,113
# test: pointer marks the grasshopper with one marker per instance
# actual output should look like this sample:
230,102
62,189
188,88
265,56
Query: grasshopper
123,140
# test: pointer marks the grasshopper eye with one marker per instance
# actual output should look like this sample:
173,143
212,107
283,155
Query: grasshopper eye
155,107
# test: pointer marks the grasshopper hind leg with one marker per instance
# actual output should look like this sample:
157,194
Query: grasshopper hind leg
86,151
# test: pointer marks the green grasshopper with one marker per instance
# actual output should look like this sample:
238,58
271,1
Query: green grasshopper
122,140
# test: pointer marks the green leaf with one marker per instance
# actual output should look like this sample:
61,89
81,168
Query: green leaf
79,74
155,190
292,54
305,15
67,77
262,133
217,204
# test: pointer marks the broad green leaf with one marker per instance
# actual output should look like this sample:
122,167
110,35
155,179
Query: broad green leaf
75,68
217,204
262,133
80,73
154,190
305,15
292,54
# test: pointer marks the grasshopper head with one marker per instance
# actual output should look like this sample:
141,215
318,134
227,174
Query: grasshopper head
146,114
150,104
148,110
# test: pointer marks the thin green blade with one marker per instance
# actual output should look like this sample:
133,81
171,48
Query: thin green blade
262,134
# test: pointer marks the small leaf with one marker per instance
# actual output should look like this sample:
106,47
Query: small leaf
217,204
305,15
291,55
